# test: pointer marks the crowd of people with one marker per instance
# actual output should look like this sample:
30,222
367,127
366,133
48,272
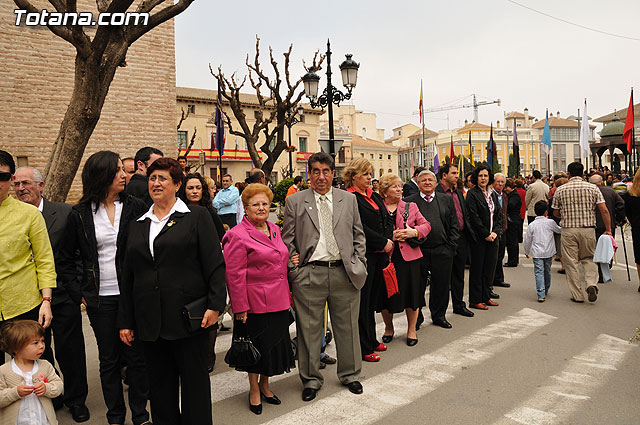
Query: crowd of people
157,255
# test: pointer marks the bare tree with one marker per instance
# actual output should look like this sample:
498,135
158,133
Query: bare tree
273,109
97,60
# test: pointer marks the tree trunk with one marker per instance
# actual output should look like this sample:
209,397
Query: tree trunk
93,76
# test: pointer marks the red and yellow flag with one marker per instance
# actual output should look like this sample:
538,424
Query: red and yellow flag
420,104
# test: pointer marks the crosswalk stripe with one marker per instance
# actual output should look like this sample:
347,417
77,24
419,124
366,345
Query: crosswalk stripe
562,394
408,382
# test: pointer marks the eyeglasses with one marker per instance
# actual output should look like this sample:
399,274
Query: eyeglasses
258,205
5,176
24,183
325,172
161,179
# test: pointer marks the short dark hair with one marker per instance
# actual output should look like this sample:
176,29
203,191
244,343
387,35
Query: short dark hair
182,157
167,164
144,154
7,159
322,158
474,176
97,175
418,170
375,180
205,200
511,183
15,334
255,176
444,169
540,207
537,174
576,169
297,180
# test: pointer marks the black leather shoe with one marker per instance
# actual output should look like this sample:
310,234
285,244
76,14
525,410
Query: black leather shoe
355,387
509,265
412,341
387,338
464,311
420,319
271,400
255,409
502,285
309,394
442,323
494,295
79,413
323,365
327,359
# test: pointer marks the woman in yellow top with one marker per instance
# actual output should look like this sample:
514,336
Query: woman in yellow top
27,269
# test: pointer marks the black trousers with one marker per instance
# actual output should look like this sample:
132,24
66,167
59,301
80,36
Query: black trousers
457,273
181,363
112,353
69,350
369,299
438,261
228,219
513,250
483,266
498,276
33,315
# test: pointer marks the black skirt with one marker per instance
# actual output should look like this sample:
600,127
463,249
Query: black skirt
269,333
410,289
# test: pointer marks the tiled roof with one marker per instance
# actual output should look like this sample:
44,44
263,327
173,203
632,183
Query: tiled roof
558,122
620,113
473,126
359,141
427,133
515,114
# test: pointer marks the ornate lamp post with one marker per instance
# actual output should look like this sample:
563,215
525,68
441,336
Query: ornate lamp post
291,121
331,95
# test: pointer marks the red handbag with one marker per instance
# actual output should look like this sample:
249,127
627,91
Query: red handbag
390,279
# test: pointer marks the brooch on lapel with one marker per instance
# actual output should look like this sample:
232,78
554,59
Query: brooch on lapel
171,223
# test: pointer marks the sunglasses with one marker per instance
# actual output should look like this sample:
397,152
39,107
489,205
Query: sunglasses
5,176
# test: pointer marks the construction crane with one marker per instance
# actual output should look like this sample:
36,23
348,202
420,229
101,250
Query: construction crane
473,105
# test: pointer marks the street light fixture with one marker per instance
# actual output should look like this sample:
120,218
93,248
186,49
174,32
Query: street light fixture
291,121
331,95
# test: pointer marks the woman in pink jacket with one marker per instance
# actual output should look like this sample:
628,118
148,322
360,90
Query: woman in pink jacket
408,224
256,275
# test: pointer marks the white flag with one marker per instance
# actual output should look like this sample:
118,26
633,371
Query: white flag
584,133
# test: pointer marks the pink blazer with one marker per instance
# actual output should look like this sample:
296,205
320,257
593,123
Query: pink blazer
415,220
256,269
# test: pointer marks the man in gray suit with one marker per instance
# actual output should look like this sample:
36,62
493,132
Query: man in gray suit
67,320
322,224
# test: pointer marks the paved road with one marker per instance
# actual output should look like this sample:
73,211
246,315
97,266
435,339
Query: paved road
520,363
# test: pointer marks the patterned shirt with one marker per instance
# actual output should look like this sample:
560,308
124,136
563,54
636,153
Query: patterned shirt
577,201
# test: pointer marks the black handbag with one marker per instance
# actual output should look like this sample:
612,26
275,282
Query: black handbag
413,242
193,313
242,353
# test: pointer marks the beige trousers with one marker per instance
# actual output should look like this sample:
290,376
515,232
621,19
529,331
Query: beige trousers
578,246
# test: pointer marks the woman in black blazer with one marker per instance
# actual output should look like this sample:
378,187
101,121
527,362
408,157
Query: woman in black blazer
97,228
173,259
485,218
378,229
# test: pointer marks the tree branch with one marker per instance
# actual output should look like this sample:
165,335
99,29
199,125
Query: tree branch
182,118
135,32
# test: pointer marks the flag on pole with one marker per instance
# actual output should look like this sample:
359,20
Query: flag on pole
219,121
436,162
420,104
516,149
628,126
473,164
461,163
492,153
546,135
584,133
452,155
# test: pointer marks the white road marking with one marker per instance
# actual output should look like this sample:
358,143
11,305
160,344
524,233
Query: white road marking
562,395
407,382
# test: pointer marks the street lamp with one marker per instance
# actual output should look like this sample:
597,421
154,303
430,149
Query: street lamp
331,95
291,120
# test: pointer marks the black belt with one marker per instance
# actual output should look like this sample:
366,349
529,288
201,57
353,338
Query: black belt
330,264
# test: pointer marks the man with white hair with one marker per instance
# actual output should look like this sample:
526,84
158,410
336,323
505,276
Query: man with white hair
499,181
67,320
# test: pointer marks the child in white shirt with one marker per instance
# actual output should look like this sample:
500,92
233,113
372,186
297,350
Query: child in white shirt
540,244
27,384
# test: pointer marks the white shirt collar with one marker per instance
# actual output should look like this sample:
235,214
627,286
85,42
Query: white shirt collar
40,205
179,206
329,195
432,196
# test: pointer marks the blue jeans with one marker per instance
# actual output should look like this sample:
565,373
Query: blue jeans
542,271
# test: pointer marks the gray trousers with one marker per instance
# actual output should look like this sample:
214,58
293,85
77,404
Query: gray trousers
312,287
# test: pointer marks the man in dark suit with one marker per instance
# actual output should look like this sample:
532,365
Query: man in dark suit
499,180
514,219
411,187
448,185
323,225
614,204
439,248
137,185
67,320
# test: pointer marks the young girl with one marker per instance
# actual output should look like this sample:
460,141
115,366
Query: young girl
27,384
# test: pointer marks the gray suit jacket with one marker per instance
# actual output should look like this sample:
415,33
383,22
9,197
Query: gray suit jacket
301,232
55,216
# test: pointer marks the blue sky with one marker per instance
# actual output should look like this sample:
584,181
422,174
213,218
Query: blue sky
493,48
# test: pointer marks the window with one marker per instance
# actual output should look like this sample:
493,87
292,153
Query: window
559,157
371,155
389,157
399,132
182,139
381,172
576,153
380,156
256,114
361,155
389,170
191,109
302,144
